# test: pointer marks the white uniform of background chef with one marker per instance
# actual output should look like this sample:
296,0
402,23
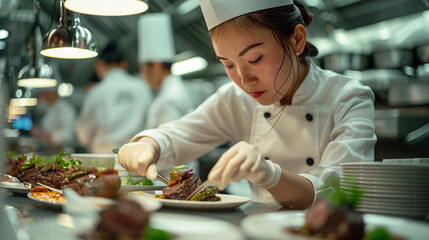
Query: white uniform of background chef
155,54
288,142
114,109
58,122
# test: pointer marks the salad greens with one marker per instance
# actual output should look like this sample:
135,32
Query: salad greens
16,157
378,233
144,182
340,197
67,164
151,233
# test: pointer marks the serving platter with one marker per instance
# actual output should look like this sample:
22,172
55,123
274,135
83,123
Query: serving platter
227,201
272,226
51,203
157,185
14,187
181,226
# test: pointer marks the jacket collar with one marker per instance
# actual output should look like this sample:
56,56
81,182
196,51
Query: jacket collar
308,86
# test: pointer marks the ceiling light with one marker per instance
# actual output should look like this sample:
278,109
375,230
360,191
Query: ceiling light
65,89
107,7
23,102
69,40
17,110
2,45
4,34
188,66
36,74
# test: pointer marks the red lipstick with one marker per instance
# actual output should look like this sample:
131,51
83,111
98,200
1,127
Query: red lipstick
257,94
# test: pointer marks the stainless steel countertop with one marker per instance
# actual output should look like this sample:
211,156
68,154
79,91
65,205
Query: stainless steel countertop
30,212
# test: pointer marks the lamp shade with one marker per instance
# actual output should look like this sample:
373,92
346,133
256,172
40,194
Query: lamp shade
74,42
36,73
69,40
36,76
107,7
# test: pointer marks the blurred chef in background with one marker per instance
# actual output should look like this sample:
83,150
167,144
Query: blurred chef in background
115,108
155,55
57,123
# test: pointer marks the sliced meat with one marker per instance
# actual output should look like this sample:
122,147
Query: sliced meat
183,189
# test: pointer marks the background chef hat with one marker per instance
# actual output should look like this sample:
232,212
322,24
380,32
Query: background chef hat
217,12
155,38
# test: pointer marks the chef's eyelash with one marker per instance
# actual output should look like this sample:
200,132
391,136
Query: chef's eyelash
256,60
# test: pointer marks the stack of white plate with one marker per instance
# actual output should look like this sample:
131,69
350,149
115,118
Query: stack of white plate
397,188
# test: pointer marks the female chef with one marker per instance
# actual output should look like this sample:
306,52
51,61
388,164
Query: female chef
292,122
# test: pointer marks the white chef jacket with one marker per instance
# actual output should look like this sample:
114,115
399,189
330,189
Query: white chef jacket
59,122
172,102
330,121
113,111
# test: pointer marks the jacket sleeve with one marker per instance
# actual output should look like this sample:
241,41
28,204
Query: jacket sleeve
195,134
352,138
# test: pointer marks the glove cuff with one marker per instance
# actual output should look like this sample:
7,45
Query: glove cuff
273,176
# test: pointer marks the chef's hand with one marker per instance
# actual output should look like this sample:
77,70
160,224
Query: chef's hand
139,158
244,161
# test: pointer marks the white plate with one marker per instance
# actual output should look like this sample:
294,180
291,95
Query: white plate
148,205
51,203
385,165
270,226
395,201
157,185
401,191
195,227
182,226
227,201
375,194
398,213
406,208
414,176
387,182
14,187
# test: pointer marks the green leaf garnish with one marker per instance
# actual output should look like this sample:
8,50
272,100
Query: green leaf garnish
350,197
378,233
66,164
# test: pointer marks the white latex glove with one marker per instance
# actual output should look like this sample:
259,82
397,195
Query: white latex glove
138,157
244,161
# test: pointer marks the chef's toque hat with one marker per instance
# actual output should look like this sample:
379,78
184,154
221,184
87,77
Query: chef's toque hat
217,12
155,38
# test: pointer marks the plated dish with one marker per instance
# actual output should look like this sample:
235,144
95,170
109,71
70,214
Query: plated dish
195,227
273,225
51,203
14,187
181,226
226,202
157,185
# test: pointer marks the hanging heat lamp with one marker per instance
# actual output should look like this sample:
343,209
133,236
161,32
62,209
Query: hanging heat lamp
107,7
69,40
36,74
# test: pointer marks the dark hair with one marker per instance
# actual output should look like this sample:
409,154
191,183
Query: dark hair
282,21
166,65
111,54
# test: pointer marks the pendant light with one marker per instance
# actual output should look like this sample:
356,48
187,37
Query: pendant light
69,40
36,74
107,7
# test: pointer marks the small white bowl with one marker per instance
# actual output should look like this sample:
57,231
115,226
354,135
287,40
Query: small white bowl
98,161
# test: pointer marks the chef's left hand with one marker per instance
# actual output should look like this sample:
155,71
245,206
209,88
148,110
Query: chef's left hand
244,161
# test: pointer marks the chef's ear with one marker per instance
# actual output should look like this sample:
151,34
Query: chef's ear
299,38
